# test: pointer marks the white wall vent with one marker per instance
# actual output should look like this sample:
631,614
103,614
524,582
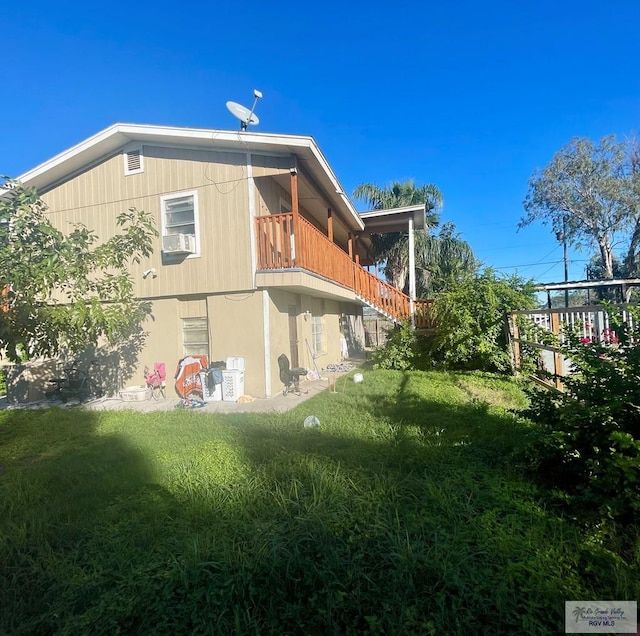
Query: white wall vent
133,161
179,244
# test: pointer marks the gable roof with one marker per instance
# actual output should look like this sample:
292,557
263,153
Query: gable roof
117,136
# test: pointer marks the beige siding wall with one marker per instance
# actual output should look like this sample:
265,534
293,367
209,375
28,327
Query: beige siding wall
96,196
269,195
266,166
218,284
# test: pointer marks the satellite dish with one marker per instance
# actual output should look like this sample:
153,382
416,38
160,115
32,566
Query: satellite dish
246,116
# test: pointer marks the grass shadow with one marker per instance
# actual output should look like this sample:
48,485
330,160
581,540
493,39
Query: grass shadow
80,510
401,513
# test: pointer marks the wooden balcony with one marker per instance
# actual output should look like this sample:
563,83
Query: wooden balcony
282,246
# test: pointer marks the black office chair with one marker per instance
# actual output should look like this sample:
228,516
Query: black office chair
290,377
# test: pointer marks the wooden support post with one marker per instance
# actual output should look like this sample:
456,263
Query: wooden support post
350,245
515,342
330,224
294,193
557,356
412,274
295,214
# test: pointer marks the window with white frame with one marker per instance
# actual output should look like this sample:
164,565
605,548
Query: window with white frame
317,326
180,221
195,336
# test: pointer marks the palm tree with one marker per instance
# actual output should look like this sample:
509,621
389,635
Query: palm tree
399,194
392,249
437,257
442,258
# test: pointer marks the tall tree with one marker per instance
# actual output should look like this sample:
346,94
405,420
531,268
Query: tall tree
632,259
65,290
588,193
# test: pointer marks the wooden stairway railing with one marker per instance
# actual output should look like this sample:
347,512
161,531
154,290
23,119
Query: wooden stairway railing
281,246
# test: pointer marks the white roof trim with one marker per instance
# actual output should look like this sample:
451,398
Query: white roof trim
116,136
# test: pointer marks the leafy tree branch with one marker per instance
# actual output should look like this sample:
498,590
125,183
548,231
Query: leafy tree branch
65,290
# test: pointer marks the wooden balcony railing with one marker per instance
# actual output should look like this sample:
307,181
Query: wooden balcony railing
281,246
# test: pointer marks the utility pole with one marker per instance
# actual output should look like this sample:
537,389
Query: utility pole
566,265
562,236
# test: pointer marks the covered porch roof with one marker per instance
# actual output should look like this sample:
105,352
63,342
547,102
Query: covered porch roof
405,219
394,219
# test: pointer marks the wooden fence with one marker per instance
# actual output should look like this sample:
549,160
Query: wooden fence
534,328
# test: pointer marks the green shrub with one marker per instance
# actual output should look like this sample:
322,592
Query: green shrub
404,350
470,315
588,440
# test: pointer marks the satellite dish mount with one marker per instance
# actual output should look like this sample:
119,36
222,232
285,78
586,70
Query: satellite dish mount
245,115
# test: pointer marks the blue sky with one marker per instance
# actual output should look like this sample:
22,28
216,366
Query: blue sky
469,95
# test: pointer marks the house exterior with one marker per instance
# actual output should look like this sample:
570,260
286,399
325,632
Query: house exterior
260,250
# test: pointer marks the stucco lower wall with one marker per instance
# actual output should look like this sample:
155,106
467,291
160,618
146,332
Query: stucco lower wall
279,303
336,315
161,342
236,328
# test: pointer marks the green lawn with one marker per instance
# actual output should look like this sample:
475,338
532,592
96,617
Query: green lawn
403,513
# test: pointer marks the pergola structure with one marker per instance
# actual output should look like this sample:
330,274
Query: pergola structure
623,284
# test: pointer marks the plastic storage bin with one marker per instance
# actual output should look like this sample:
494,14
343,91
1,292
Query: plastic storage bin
210,396
233,379
135,394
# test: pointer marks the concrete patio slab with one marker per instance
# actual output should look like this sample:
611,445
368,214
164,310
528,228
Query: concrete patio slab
278,403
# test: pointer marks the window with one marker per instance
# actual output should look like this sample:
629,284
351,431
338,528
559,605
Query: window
195,336
180,220
133,160
317,326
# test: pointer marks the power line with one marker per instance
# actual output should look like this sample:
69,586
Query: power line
575,260
144,196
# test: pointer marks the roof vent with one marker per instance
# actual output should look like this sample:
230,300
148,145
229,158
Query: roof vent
133,161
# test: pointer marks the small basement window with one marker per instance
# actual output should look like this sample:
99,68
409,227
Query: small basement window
133,161
195,336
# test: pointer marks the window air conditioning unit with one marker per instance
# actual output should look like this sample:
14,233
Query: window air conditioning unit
179,244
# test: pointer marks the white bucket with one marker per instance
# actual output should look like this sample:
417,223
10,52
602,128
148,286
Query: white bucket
358,377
